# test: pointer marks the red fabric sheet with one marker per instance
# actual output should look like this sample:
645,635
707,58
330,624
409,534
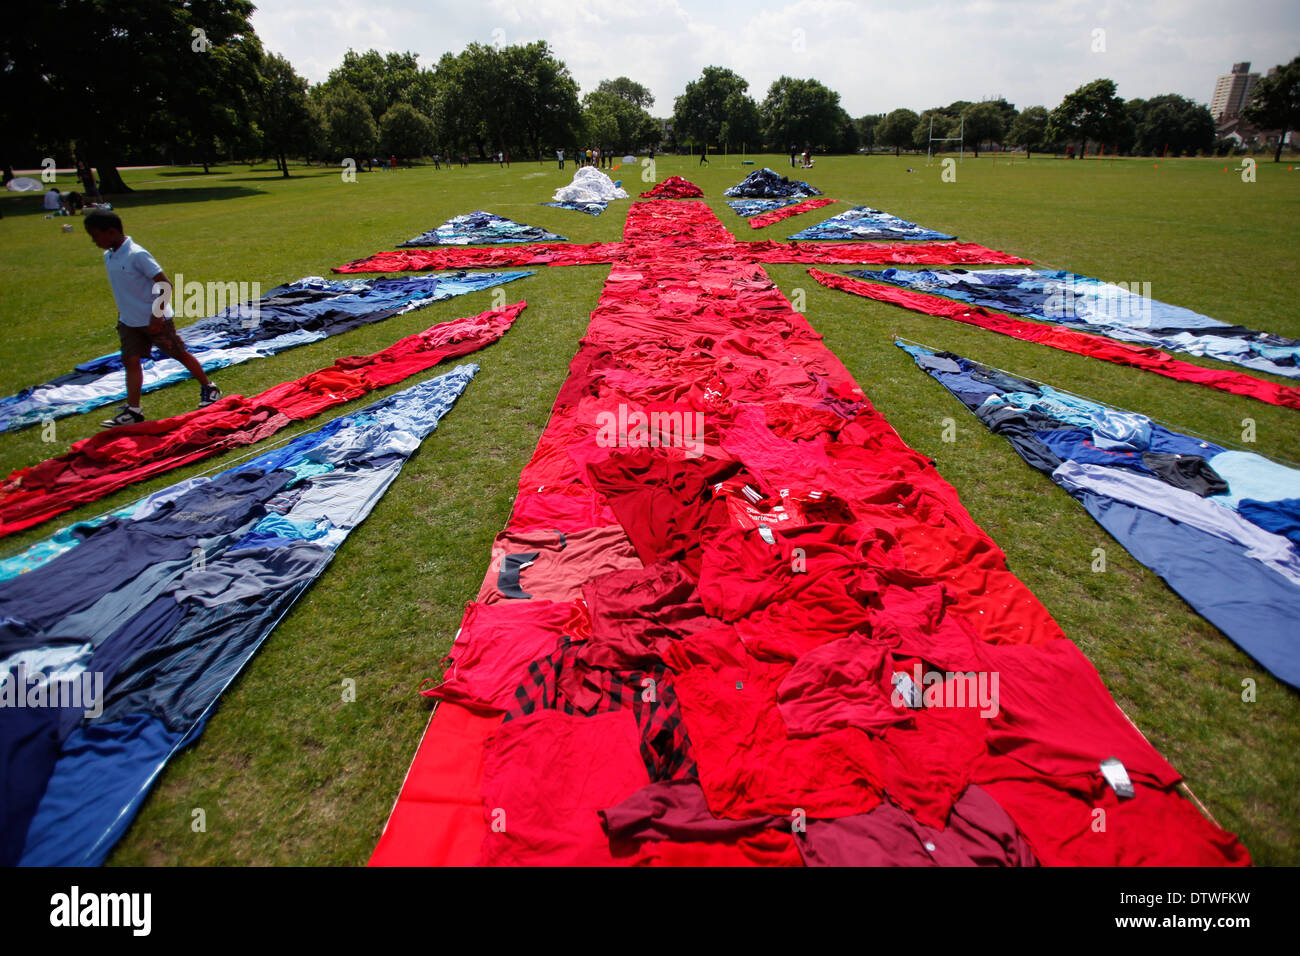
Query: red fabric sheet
785,212
439,820
1068,340
763,562
674,187
101,464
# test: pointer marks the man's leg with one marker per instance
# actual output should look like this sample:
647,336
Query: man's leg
171,344
134,379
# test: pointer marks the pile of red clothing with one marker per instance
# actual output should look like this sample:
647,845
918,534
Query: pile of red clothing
674,187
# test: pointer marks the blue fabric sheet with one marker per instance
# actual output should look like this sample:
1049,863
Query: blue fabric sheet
863,222
70,787
481,228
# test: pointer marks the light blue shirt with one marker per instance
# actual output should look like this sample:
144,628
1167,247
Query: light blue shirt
130,272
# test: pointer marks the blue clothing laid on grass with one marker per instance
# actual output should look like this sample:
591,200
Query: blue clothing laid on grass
590,208
749,208
863,222
1222,528
210,571
1122,311
481,228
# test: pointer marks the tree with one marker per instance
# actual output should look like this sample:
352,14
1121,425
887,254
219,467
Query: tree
518,96
868,128
129,73
283,114
799,111
1275,103
404,132
614,122
1030,129
983,122
715,109
1093,111
350,130
385,79
626,89
897,128
1170,124
543,98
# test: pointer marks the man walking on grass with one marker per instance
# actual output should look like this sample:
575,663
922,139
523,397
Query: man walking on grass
144,317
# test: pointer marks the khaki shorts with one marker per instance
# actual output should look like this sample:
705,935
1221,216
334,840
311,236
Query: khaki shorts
137,341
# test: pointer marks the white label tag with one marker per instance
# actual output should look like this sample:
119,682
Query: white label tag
1117,777
908,690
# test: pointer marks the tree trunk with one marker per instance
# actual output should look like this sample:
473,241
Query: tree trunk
110,180
1028,152
284,165
1281,138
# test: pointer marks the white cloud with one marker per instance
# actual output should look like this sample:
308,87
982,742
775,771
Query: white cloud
878,55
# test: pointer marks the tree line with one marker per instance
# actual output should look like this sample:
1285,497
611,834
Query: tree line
142,80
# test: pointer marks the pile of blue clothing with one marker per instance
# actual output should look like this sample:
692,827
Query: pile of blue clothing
768,184
481,228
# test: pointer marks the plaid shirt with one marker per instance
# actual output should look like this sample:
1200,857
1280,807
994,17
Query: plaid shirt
665,746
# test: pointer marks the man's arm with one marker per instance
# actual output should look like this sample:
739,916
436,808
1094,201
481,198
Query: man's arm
162,292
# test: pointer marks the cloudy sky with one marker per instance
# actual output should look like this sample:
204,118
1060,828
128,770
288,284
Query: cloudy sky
877,55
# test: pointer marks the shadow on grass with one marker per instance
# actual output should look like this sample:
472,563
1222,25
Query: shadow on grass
32,205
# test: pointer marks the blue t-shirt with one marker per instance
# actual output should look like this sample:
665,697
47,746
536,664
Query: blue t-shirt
130,272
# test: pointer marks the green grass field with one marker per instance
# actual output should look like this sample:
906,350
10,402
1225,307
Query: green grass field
289,774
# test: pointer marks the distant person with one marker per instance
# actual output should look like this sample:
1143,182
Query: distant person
436,163
464,160
807,152
704,156
87,177
53,200
559,156
73,203
144,317
392,162
507,160
501,161
794,151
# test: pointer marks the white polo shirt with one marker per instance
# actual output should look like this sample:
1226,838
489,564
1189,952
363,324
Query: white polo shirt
130,272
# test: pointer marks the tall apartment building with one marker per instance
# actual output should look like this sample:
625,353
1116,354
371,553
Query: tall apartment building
1232,92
